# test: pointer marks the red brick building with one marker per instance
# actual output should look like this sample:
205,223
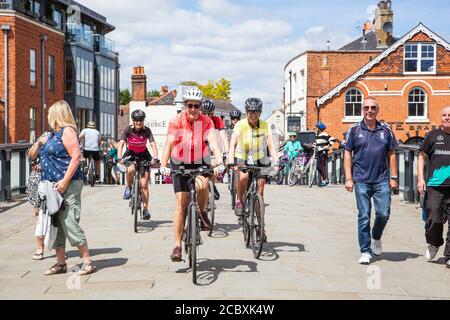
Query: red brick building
410,79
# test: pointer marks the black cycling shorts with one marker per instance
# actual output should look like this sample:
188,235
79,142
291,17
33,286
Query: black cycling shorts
261,163
141,156
180,183
96,155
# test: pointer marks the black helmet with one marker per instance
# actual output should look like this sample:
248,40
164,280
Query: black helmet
138,115
254,104
235,114
208,106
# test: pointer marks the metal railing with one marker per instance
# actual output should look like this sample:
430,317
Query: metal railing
14,170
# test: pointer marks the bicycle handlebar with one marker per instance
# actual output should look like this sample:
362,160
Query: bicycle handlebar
192,172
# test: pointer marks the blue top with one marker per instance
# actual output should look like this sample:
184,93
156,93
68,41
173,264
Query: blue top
293,148
371,149
55,159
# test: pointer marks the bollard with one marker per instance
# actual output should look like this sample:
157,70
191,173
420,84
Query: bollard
409,177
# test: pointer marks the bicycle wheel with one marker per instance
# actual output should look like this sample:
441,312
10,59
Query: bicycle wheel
193,215
293,177
257,225
210,207
245,222
91,173
137,206
233,190
279,179
312,172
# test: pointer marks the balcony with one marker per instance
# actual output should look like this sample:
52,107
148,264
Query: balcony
80,35
104,45
6,4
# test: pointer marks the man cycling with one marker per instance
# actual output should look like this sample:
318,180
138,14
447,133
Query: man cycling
136,137
208,108
323,142
188,137
249,143
91,140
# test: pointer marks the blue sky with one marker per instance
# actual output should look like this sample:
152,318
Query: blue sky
248,42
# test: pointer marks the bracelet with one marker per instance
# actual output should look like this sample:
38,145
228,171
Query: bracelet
349,180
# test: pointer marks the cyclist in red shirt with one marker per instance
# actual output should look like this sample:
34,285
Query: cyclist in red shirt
189,135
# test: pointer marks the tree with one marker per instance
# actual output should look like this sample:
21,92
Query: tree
125,97
154,93
220,90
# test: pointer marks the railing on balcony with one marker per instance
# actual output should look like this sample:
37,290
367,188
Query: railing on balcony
6,4
104,45
79,34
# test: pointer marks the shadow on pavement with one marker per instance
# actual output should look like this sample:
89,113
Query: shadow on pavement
149,226
223,230
208,271
440,261
109,263
396,256
271,250
93,252
12,205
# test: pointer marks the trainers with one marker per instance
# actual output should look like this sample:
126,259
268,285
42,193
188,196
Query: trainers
205,223
238,209
377,248
146,215
447,263
176,255
323,184
365,258
431,252
216,194
127,193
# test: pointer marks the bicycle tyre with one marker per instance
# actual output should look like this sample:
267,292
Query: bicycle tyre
279,178
292,176
247,209
137,206
257,227
233,190
312,173
211,208
91,174
194,235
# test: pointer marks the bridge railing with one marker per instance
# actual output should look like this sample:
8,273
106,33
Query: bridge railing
14,170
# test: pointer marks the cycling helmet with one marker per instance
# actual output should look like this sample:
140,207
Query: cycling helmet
321,126
293,134
235,114
254,104
192,94
138,115
208,106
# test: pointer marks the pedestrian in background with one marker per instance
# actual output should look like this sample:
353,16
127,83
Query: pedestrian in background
436,147
323,142
369,153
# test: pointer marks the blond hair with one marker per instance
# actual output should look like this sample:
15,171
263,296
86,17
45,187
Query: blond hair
60,116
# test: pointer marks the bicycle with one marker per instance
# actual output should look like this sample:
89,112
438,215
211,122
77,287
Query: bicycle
232,188
136,192
211,207
88,165
302,165
192,238
253,212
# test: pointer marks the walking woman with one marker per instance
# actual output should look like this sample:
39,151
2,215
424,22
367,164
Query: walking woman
60,164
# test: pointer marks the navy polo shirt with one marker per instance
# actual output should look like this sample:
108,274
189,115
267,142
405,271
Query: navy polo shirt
370,151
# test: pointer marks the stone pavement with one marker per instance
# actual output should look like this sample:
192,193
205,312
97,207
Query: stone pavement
312,253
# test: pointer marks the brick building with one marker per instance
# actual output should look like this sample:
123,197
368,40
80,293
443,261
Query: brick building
410,79
56,49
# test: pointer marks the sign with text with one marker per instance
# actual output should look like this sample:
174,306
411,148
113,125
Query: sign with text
294,124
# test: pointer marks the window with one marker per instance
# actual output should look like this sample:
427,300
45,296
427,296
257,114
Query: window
57,17
353,103
420,58
107,84
51,73
69,75
302,84
33,67
32,125
85,78
37,7
417,104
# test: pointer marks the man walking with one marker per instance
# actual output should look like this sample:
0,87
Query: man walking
436,147
373,146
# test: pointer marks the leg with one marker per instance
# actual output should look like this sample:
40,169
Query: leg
201,186
434,201
261,186
39,240
242,185
179,217
130,175
382,203
144,188
97,168
363,194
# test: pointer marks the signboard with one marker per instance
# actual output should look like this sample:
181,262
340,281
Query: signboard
293,124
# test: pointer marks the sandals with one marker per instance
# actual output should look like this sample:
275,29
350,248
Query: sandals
56,269
87,268
38,256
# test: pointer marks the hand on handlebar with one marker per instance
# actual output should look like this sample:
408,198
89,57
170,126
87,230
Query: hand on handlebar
164,171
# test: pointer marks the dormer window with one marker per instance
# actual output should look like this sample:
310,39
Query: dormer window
420,58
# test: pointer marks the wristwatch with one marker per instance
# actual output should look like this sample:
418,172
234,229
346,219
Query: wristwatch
394,178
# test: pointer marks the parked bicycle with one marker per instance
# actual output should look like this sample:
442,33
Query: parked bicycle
192,238
253,212
302,165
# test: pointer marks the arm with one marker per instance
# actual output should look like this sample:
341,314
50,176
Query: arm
394,168
232,150
170,141
214,148
348,159
421,184
154,150
33,153
120,149
70,141
223,137
273,152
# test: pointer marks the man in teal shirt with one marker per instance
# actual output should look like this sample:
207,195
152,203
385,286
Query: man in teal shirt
293,147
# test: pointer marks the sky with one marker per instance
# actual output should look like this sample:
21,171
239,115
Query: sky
247,42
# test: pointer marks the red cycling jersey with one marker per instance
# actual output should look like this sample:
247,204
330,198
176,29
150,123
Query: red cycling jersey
218,123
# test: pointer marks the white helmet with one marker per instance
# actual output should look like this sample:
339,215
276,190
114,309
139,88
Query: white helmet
192,94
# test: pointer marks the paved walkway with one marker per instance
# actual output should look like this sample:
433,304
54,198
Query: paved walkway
312,253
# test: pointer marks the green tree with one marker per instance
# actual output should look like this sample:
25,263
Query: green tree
220,90
154,93
125,97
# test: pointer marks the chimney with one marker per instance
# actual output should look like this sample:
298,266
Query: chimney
383,24
164,90
138,84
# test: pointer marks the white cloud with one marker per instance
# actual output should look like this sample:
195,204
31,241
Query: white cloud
176,44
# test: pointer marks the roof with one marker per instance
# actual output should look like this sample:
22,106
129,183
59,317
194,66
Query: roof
369,44
225,106
166,99
419,28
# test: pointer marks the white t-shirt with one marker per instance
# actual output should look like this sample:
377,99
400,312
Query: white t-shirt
91,138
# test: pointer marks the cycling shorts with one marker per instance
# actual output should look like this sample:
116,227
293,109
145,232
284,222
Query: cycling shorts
96,155
181,183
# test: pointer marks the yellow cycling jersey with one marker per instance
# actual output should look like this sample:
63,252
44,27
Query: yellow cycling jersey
252,142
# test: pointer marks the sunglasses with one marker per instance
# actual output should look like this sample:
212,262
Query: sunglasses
140,121
192,106
372,108
235,118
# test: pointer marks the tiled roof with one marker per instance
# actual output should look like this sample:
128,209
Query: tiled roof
369,44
